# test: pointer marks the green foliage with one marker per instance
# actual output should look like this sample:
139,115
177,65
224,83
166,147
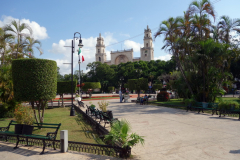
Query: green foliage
6,83
126,85
163,96
111,88
66,87
138,84
91,85
119,133
24,115
157,86
34,79
227,105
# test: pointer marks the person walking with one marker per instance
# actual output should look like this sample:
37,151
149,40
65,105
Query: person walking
120,95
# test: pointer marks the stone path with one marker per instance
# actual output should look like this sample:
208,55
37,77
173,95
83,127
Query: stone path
169,134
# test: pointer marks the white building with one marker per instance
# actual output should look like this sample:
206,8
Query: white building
123,56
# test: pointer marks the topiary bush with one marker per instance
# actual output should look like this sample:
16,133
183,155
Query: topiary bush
163,96
89,86
35,80
65,87
111,89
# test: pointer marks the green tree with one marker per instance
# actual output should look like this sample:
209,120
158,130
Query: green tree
30,44
35,80
16,29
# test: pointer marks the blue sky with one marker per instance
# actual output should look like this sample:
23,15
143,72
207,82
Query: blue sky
54,23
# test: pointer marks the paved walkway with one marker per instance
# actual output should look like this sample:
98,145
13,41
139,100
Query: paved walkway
169,134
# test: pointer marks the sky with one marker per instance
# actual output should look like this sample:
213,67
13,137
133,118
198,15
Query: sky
120,22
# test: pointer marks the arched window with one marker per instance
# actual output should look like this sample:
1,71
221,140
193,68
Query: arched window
147,45
98,50
145,55
147,35
99,59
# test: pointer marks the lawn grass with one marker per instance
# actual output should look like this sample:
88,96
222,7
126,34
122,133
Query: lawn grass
179,104
78,130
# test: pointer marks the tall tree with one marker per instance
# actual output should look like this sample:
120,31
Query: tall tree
17,30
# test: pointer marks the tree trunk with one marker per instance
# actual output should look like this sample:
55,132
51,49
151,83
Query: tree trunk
34,111
183,74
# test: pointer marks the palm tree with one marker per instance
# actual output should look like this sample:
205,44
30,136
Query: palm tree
172,32
226,25
30,43
201,9
4,40
16,29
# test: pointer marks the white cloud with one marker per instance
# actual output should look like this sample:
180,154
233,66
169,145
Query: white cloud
131,44
164,58
39,32
124,35
88,51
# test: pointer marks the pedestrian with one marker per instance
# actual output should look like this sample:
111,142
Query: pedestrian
120,95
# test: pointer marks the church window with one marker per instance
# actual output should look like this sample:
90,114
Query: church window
99,59
145,55
147,45
147,35
98,50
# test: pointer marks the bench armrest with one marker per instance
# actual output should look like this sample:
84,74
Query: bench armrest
52,135
4,129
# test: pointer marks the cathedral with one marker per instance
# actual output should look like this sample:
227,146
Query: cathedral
126,55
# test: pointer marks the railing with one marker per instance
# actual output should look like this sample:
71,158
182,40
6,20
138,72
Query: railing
99,149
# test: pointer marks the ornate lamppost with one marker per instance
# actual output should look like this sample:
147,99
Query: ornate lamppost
80,45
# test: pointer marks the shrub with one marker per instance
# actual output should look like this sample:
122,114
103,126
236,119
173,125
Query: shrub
103,105
163,96
111,89
24,115
35,80
227,105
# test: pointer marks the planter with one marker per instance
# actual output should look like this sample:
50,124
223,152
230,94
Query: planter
27,129
18,128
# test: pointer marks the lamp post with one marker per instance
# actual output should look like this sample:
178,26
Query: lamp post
79,62
121,79
72,112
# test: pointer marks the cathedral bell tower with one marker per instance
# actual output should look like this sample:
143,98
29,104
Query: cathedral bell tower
147,52
100,50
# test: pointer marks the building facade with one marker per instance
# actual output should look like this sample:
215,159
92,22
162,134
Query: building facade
123,56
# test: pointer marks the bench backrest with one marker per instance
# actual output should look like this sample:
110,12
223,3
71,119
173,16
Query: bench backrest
40,125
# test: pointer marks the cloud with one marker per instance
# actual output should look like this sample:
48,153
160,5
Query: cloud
88,51
128,44
164,58
39,32
124,35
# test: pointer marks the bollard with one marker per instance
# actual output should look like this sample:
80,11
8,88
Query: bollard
64,140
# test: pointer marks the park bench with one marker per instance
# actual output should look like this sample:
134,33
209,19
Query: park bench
139,100
108,118
4,131
195,106
231,110
201,106
80,103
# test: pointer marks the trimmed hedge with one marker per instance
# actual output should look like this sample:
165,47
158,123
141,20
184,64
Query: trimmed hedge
163,96
34,79
138,84
91,85
66,87
157,86
111,88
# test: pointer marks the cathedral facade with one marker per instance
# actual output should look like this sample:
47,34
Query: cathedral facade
123,56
